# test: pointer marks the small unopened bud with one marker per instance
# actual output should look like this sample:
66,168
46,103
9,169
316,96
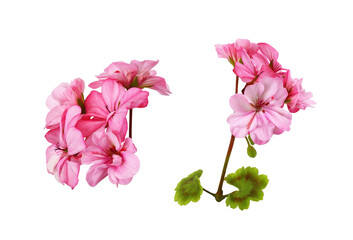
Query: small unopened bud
251,151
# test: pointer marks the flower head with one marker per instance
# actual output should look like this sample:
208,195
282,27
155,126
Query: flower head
134,74
259,111
110,157
297,97
64,155
109,108
62,97
232,51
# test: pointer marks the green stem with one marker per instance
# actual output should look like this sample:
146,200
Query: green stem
209,192
130,123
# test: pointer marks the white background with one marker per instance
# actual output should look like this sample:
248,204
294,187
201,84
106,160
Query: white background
309,196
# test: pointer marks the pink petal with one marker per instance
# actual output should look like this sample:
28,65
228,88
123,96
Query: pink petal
96,84
157,83
263,131
279,117
118,125
73,114
96,173
129,146
134,98
240,104
227,51
246,74
95,154
112,92
128,168
271,87
95,105
254,92
268,51
112,140
68,172
124,181
52,158
74,140
54,116
88,125
241,124
53,136
58,96
144,66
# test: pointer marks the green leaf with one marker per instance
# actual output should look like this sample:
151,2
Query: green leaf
250,185
251,151
189,189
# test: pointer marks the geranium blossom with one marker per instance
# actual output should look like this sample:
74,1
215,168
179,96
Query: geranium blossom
297,97
252,69
133,74
63,156
259,111
232,51
110,156
271,56
62,97
109,108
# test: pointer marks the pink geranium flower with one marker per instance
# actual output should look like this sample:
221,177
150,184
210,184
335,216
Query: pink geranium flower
297,97
271,56
62,97
110,157
63,156
258,112
232,51
109,108
252,69
136,74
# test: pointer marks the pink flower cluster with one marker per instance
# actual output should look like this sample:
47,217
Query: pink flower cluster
259,109
93,130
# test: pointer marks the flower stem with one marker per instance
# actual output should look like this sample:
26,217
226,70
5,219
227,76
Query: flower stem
219,194
220,186
130,123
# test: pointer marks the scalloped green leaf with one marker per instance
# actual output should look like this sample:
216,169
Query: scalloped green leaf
250,185
189,189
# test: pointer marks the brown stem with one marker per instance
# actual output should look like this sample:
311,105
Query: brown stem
130,123
219,194
230,148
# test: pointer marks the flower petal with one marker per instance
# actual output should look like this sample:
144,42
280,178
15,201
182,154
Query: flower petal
128,168
268,51
96,173
74,140
112,92
157,83
89,124
95,105
254,92
278,116
129,146
134,98
52,158
240,103
68,172
124,181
